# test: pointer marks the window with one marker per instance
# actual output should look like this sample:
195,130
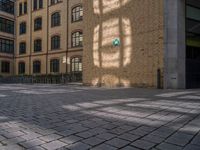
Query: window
23,8
37,4
22,29
20,9
5,67
40,4
7,6
54,66
38,45
22,48
6,46
55,42
77,13
6,25
55,19
77,39
36,66
21,68
55,2
37,24
76,64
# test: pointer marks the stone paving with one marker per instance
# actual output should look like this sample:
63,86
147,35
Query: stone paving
39,117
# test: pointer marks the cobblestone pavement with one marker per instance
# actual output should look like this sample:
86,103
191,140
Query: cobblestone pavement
39,117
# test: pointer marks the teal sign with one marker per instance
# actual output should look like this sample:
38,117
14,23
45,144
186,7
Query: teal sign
116,42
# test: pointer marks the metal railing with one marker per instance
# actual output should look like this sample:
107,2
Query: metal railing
45,79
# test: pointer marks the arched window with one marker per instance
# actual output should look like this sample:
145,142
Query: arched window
77,13
77,39
54,65
22,48
55,42
36,66
38,24
55,19
76,64
21,68
38,45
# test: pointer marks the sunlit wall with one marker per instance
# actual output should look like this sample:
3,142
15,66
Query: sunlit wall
137,25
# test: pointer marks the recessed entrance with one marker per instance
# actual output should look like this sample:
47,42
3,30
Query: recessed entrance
192,44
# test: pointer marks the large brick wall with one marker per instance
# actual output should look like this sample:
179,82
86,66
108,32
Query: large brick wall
139,26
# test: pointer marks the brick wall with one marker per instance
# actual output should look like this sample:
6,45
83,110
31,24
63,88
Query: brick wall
139,26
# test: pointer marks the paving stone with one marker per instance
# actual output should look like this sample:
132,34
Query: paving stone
192,147
13,134
32,143
93,141
129,148
153,139
104,147
143,144
51,137
180,139
86,134
36,148
12,147
167,146
129,137
196,140
71,139
31,136
106,136
54,145
116,142
78,146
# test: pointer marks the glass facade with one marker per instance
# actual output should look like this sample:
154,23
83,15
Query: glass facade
7,6
193,43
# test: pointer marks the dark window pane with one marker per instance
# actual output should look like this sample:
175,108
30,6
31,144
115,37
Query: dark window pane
36,67
55,19
6,46
21,68
5,67
54,66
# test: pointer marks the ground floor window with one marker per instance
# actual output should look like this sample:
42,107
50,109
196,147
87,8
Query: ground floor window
54,65
76,64
21,68
36,67
5,67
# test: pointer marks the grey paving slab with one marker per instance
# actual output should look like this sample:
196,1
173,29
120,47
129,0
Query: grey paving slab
116,142
143,144
76,117
53,145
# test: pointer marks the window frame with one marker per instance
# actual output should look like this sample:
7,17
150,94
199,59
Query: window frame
55,42
55,19
55,65
38,25
76,37
37,45
77,13
36,63
21,70
76,61
5,69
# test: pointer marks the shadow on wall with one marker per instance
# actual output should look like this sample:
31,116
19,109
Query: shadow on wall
139,27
